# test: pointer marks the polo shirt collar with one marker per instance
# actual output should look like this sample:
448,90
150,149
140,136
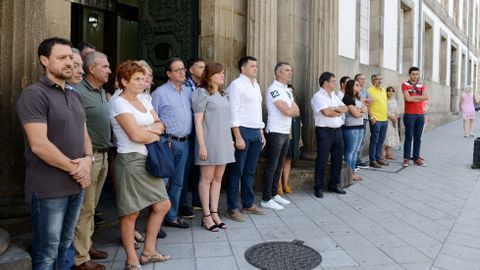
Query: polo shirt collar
89,86
280,84
51,84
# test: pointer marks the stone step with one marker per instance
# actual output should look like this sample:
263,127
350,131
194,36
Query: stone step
302,174
4,240
15,258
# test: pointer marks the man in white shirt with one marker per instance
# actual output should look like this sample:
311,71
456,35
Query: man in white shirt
281,108
247,126
327,111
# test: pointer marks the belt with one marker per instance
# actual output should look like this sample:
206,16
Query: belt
100,150
175,138
329,128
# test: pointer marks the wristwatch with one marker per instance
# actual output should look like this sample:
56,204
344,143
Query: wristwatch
91,156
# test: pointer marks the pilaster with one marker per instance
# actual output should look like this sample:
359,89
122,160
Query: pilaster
322,56
262,38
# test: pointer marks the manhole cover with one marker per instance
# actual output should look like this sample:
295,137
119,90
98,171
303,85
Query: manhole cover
283,255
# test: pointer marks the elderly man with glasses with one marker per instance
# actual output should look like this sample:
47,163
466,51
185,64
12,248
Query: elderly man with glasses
172,103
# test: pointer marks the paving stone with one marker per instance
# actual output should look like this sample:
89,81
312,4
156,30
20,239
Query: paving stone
336,258
216,263
369,257
405,254
212,249
454,263
184,264
417,266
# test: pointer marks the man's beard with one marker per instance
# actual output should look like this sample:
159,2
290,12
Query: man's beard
62,74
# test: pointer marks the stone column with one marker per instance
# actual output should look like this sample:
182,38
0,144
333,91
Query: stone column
322,56
292,40
262,38
23,25
223,33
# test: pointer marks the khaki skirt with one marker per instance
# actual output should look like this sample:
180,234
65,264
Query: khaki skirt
136,188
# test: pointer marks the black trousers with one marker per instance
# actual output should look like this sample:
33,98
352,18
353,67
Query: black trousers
277,148
329,142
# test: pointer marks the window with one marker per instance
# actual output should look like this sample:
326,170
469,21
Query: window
364,31
428,52
405,38
443,59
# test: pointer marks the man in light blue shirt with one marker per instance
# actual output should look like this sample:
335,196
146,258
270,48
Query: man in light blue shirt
172,103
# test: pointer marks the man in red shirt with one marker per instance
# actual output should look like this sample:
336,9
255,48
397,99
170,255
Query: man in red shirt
415,96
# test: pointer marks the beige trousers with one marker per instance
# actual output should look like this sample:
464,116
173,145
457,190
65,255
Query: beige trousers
83,232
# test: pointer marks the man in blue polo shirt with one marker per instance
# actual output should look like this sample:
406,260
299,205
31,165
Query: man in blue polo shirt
173,105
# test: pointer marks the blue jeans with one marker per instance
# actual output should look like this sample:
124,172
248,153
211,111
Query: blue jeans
243,170
377,137
53,221
352,139
413,130
180,156
359,152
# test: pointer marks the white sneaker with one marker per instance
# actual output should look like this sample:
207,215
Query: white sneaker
271,204
278,199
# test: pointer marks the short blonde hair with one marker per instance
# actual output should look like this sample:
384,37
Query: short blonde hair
145,65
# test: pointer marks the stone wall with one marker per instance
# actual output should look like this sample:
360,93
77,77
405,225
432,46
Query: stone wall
23,25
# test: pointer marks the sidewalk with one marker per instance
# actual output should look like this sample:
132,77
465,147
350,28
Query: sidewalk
412,218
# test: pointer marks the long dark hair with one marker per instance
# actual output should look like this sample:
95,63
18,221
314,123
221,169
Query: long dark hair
210,70
349,90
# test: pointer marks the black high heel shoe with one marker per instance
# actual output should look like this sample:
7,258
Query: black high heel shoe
221,225
213,228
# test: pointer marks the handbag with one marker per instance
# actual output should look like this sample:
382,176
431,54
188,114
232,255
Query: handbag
475,103
160,158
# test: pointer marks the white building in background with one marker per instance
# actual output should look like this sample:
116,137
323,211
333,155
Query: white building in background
441,37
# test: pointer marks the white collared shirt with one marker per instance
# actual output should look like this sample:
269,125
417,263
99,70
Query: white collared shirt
322,100
277,121
245,100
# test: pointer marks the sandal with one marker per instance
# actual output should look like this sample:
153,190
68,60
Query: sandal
157,257
220,225
141,239
133,267
213,228
136,245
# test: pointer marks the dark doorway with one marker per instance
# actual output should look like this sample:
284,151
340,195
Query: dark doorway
152,30
112,26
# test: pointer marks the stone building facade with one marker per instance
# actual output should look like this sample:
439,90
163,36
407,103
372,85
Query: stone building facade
342,36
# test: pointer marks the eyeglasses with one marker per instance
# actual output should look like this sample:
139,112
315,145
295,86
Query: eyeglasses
179,70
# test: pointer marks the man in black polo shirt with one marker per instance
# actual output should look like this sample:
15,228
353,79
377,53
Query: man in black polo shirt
58,155
95,103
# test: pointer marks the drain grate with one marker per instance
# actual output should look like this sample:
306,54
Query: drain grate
283,256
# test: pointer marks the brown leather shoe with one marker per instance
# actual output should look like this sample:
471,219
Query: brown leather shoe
90,265
374,164
253,210
97,254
